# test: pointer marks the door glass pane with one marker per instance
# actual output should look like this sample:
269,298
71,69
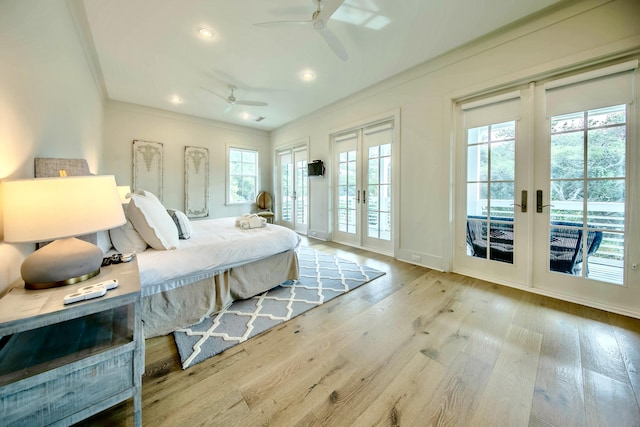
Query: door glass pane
301,190
477,195
385,198
607,261
347,192
605,203
502,197
477,238
478,162
351,222
286,187
501,241
385,168
503,161
342,174
588,202
567,155
374,171
606,152
491,191
379,192
478,135
565,249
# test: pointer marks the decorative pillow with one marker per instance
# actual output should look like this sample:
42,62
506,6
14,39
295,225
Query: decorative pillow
104,241
152,221
126,239
182,223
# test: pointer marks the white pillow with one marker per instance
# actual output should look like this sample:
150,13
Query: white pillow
126,239
182,223
152,221
103,241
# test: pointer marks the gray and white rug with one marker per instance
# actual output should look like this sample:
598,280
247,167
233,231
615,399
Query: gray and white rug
322,278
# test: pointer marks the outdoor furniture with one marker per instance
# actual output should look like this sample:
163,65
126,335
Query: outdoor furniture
565,242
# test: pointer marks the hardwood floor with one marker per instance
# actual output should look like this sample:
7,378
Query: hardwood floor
415,347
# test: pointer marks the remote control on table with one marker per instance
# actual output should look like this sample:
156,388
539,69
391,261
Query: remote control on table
91,291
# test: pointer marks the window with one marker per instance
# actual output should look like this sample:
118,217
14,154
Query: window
242,183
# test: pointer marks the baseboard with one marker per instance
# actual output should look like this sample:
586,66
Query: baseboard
422,259
551,294
320,235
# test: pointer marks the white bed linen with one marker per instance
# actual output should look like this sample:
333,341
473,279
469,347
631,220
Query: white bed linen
215,245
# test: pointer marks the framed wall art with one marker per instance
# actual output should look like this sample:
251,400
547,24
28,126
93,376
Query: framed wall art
148,166
196,182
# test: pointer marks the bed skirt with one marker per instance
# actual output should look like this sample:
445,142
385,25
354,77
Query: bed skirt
167,311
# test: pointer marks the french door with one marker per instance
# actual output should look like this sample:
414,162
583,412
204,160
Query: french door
587,188
554,214
293,189
493,211
363,196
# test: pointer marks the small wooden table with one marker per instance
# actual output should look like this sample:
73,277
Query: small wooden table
60,364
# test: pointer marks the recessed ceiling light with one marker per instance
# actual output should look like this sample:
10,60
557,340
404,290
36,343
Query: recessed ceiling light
175,99
205,33
307,75
245,116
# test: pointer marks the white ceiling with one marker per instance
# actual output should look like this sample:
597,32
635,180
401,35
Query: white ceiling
150,50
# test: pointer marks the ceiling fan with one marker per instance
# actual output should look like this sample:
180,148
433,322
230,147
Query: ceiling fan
319,18
232,101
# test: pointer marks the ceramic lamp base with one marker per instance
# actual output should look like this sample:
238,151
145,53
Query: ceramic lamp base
62,262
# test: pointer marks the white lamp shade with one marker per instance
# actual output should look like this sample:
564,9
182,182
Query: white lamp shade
43,209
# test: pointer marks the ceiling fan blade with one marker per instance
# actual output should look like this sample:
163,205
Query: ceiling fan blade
279,23
252,103
229,107
333,42
216,94
328,8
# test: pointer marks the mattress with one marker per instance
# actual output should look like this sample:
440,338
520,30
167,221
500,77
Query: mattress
216,245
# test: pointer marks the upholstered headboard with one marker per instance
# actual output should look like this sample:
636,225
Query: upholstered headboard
45,167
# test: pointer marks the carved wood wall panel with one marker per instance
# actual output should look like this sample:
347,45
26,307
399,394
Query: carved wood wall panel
148,163
196,182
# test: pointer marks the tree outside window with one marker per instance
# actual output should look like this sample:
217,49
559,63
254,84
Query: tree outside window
243,175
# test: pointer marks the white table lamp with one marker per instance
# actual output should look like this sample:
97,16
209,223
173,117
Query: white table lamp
43,209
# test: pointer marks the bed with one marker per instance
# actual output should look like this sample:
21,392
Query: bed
189,269
206,273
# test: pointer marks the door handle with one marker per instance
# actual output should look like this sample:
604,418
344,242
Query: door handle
364,196
523,201
539,202
358,197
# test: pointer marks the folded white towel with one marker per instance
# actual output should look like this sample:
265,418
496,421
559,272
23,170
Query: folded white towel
249,221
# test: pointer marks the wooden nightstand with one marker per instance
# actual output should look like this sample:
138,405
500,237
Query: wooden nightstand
61,364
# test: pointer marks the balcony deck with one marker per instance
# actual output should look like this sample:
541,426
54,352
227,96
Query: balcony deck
606,270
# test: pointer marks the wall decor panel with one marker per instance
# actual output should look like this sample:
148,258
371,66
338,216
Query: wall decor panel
196,182
148,159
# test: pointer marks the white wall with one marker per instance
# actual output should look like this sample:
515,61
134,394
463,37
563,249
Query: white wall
124,123
577,33
50,105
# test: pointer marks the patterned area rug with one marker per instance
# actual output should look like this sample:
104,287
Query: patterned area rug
322,278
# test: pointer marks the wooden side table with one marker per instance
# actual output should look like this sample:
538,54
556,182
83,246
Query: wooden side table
61,364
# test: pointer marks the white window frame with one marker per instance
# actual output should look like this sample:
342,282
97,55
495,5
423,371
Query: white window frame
231,148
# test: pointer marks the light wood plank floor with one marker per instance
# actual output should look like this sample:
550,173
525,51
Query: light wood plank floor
415,347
